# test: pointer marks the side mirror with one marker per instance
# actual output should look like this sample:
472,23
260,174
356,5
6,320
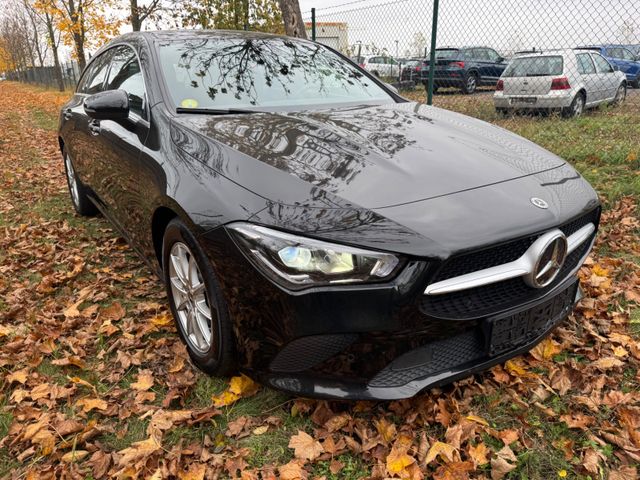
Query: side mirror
109,105
392,88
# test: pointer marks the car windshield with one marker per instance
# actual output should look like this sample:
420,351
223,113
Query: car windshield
235,73
534,67
446,53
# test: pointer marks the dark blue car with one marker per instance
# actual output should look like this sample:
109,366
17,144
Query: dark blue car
465,68
622,57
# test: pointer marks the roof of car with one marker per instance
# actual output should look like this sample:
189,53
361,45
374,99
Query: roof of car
543,53
190,34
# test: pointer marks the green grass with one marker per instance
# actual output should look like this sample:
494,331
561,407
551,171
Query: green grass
44,120
135,430
353,468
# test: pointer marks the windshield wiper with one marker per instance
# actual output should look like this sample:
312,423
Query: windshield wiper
216,111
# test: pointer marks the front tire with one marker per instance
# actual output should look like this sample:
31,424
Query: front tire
78,192
197,303
576,108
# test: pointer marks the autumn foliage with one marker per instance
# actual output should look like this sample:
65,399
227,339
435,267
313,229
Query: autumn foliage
96,383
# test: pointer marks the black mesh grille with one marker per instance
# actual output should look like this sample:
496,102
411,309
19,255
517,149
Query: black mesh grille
303,353
497,297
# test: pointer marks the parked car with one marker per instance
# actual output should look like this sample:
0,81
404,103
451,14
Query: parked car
564,80
635,49
314,229
380,65
621,57
465,68
411,70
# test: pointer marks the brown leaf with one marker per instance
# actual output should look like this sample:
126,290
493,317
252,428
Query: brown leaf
500,467
305,446
88,404
292,471
138,450
113,312
144,382
445,451
74,456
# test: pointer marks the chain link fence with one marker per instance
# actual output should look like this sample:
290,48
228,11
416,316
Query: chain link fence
48,77
540,55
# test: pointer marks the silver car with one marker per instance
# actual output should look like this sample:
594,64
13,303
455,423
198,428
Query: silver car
564,80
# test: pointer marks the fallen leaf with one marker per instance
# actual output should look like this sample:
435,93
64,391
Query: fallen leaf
305,446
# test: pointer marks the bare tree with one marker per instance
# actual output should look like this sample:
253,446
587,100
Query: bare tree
292,16
140,13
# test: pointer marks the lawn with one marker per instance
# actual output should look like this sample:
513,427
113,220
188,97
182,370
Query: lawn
97,384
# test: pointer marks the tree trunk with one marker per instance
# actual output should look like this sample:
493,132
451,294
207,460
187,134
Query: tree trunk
135,16
78,38
54,50
292,16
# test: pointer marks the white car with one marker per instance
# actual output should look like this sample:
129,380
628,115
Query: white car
564,80
381,65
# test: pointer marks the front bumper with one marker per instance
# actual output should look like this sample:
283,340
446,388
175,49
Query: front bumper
385,341
440,362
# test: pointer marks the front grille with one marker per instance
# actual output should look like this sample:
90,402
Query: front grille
500,296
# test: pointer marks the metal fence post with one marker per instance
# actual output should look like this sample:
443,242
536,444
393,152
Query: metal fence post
313,24
432,56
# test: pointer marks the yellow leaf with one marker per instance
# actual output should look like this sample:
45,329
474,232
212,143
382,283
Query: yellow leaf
74,456
479,420
88,404
162,320
600,271
5,331
195,472
19,376
632,157
138,451
386,429
261,430
144,382
546,349
241,386
398,461
479,454
620,352
444,450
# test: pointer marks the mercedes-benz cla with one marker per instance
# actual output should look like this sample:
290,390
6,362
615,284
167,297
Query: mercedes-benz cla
314,229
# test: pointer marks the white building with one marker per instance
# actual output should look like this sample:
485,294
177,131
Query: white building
331,34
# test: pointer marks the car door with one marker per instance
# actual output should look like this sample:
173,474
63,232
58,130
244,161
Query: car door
497,65
632,67
482,63
589,76
608,80
78,135
120,142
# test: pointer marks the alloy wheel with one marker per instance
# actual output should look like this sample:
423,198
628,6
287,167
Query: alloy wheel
471,83
578,106
621,95
190,298
73,182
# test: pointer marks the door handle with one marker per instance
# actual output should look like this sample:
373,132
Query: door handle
94,127
67,114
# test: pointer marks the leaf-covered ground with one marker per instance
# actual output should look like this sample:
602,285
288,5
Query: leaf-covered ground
95,382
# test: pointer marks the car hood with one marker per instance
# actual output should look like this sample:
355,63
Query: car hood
365,156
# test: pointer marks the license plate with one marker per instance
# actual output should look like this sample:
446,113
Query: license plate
512,331
525,100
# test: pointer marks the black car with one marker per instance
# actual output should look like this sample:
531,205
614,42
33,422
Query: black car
466,68
314,229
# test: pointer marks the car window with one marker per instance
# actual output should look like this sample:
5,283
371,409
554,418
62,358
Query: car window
375,60
481,54
391,61
585,64
626,54
541,66
125,74
93,79
602,65
614,52
447,53
220,72
492,54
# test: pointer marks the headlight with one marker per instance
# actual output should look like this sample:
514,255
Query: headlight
297,262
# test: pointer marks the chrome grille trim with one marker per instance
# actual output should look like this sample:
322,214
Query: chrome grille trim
518,268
